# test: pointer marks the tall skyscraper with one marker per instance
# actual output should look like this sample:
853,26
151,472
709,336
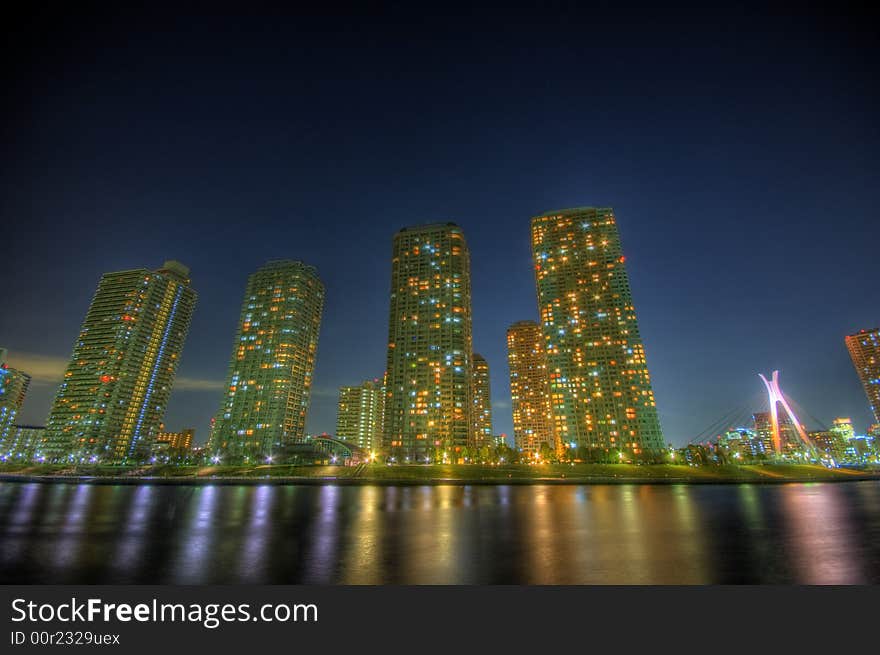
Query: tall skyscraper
360,414
273,360
13,387
864,349
116,387
429,386
482,403
529,389
600,390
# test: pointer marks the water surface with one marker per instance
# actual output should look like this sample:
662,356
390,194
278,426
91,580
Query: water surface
457,534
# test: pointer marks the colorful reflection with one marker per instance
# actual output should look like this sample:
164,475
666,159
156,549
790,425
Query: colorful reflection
446,534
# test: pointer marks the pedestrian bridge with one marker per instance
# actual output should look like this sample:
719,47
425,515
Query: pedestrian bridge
346,452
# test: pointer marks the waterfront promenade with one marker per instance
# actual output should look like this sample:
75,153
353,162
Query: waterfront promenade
435,474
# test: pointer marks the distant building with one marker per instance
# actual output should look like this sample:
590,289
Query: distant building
843,427
360,414
789,438
529,389
844,433
429,384
117,384
831,443
600,389
739,443
864,349
179,441
13,387
269,381
863,449
482,407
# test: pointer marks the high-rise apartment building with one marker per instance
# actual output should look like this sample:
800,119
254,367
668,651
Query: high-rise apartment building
529,389
273,360
13,387
600,390
482,403
360,414
116,387
429,385
864,349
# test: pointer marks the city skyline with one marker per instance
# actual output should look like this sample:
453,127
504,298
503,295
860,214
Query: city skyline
479,378
735,171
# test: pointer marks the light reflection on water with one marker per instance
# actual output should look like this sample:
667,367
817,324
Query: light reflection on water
602,534
197,545
252,563
134,538
819,526
69,539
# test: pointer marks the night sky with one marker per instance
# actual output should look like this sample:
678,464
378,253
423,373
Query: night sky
738,149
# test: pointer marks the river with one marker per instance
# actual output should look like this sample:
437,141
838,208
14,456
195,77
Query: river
457,534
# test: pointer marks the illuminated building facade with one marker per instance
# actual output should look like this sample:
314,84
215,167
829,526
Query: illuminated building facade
529,388
600,389
843,427
116,387
830,443
360,414
269,382
864,349
13,387
180,441
482,403
27,443
429,386
739,443
764,433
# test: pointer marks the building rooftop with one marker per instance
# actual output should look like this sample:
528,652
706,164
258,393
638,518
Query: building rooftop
174,266
573,210
427,227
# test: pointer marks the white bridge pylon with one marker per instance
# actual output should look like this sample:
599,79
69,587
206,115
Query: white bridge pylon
775,395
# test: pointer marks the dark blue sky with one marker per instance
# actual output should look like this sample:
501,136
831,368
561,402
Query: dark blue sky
738,148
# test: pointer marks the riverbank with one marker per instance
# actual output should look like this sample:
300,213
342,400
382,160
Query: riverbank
472,474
